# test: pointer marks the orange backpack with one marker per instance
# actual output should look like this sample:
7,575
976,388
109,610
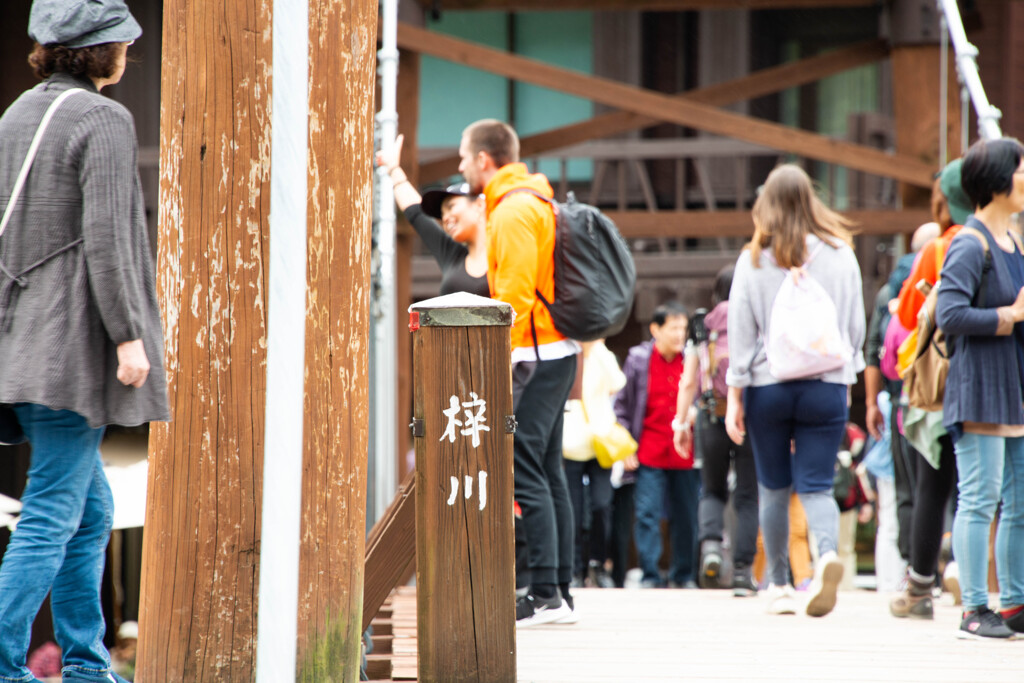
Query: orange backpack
924,380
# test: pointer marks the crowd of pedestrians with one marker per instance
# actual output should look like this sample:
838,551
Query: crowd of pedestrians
748,404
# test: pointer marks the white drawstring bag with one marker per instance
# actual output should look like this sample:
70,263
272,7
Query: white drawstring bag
803,330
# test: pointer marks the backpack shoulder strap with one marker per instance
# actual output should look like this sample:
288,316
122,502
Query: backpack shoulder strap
981,295
978,235
528,190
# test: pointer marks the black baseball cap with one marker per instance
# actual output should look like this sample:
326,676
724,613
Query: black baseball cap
433,199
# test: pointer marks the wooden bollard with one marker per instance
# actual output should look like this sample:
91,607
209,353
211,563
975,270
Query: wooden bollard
463,427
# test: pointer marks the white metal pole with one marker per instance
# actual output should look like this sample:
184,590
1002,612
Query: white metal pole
277,625
386,323
967,67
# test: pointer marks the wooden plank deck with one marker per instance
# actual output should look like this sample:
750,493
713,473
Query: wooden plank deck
663,636
660,636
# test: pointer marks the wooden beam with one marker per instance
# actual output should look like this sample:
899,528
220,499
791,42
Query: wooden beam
390,549
667,108
644,5
636,224
763,82
916,81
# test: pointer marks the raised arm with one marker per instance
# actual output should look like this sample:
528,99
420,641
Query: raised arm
405,194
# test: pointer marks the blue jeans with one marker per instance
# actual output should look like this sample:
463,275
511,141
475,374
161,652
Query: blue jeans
795,429
58,548
679,490
990,467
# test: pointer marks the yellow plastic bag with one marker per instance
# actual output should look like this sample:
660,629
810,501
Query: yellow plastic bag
614,445
577,439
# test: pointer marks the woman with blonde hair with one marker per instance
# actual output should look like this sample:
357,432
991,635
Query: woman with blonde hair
797,418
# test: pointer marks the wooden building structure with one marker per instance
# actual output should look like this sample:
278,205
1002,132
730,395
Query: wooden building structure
693,102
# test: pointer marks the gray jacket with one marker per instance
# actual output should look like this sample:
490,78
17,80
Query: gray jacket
77,277
750,305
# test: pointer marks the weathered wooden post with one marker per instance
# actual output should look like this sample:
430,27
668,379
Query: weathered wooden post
223,95
463,428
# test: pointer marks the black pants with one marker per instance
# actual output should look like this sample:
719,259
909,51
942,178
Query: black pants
623,512
719,452
539,394
931,499
592,510
904,461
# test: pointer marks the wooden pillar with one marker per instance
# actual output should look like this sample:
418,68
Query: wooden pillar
463,428
342,73
201,552
916,69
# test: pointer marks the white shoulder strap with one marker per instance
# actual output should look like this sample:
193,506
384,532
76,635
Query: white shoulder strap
30,157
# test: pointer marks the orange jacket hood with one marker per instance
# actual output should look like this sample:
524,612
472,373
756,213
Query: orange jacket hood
520,251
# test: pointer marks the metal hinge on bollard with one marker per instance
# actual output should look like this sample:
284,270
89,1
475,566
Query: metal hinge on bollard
510,424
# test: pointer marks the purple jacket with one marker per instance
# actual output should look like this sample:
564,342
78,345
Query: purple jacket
631,401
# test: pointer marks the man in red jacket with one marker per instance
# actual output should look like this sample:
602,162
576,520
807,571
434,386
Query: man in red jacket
646,406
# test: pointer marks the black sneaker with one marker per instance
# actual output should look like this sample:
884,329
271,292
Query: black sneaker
983,623
598,575
1016,622
710,564
533,611
743,586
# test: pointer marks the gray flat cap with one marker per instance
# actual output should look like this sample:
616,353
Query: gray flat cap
81,23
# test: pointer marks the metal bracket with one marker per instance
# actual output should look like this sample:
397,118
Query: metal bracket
510,424
418,427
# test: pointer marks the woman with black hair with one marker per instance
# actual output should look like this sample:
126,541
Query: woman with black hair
452,224
699,422
980,308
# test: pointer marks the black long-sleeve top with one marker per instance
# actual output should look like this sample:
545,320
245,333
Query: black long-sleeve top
448,253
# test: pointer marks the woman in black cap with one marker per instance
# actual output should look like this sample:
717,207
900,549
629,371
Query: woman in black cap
79,322
459,242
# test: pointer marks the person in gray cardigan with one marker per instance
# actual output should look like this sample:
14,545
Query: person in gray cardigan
980,307
80,333
795,426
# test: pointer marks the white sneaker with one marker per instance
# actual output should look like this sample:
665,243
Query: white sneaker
781,599
572,617
822,592
951,581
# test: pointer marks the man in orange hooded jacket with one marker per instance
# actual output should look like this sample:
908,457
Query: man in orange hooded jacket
520,263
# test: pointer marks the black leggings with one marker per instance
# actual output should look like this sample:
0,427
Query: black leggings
931,498
719,452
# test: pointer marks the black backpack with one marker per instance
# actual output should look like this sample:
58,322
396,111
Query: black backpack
594,272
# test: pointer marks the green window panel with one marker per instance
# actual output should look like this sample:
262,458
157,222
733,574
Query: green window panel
453,96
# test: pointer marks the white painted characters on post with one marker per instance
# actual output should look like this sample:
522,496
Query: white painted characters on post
481,489
474,422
